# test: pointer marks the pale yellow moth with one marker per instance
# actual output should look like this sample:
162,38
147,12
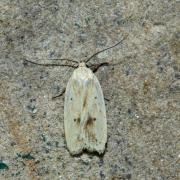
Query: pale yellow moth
84,112
85,120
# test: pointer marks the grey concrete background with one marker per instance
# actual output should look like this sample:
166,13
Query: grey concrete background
144,88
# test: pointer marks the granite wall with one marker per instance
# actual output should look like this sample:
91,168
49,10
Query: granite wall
143,87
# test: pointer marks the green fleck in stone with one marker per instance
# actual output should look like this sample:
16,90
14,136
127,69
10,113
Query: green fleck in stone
3,166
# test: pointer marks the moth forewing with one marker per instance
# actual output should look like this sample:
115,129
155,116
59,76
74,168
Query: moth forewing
84,113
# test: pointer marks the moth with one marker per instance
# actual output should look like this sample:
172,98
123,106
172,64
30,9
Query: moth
84,112
85,121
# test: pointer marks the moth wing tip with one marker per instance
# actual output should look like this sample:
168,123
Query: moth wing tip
75,152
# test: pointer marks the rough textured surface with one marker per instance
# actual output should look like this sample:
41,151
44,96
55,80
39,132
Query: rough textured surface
144,88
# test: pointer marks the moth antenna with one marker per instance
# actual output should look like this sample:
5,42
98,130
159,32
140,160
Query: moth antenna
71,60
104,50
74,66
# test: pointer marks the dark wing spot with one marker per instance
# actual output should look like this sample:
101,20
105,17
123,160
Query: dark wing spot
89,122
77,120
95,97
85,101
71,99
89,129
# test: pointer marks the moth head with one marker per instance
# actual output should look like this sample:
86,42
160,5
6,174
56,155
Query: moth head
82,64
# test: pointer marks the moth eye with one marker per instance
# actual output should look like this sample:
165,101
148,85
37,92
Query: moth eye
74,120
94,119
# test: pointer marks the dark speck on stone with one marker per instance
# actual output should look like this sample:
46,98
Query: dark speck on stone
128,176
44,114
102,175
32,100
43,137
128,161
25,63
13,143
177,75
158,63
23,82
51,54
47,151
49,143
115,168
160,69
56,143
31,108
44,75
127,72
16,174
27,156
129,111
101,162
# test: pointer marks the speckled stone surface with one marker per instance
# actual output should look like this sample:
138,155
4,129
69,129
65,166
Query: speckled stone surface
143,113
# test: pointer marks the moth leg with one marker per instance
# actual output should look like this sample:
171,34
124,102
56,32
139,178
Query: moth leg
95,67
59,95
107,99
